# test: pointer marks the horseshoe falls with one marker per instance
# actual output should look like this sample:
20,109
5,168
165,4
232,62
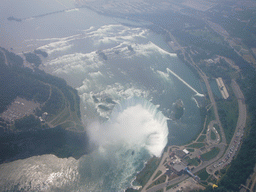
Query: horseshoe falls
135,122
123,77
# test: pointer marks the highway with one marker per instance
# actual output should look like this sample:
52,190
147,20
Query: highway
211,165
238,134
221,157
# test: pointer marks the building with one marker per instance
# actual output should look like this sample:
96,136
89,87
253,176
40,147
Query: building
179,168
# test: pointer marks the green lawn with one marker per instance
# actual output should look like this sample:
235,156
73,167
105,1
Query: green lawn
213,135
157,174
162,179
196,145
193,161
203,174
201,138
211,154
191,150
228,112
147,172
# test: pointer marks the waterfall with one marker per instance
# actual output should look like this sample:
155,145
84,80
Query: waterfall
135,122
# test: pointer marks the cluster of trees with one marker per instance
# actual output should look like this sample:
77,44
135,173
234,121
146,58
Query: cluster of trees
28,123
55,103
70,93
15,81
33,58
23,82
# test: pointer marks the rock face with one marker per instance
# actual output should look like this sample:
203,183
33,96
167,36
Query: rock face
57,141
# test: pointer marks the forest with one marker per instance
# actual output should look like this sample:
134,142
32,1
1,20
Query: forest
17,80
31,136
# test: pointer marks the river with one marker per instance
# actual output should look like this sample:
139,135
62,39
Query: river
110,64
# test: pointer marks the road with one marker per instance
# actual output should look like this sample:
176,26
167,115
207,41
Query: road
238,134
221,146
210,94
161,167
210,165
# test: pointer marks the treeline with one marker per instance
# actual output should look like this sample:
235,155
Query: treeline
28,123
55,103
70,93
33,58
15,82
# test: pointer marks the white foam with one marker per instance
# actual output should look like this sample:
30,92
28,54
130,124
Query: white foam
134,122
79,62
71,10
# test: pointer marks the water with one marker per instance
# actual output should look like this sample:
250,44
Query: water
126,95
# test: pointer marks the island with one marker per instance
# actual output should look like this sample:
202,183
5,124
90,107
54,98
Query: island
178,110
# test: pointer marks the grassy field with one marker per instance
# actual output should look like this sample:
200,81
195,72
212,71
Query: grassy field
207,34
162,179
67,117
213,135
196,145
157,174
218,129
210,117
201,138
147,172
203,174
211,154
193,161
191,150
228,112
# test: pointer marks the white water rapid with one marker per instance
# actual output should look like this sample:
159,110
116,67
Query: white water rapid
135,122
